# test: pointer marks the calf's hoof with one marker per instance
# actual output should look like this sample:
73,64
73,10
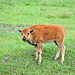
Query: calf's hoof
39,62
53,59
61,62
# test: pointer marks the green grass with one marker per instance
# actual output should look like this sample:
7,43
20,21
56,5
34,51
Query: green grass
17,57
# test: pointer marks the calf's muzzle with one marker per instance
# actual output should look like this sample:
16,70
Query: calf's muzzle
23,39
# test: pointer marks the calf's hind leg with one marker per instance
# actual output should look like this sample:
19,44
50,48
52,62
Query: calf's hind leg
62,53
61,48
57,55
58,52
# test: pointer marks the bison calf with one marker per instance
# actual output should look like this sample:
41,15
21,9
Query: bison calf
38,34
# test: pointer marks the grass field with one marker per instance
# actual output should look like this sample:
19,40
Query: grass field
17,57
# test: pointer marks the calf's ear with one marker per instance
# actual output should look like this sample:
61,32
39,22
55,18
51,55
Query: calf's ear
31,31
19,30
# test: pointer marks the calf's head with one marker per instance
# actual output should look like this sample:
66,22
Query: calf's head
26,34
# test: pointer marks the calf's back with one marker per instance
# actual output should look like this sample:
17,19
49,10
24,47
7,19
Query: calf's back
47,33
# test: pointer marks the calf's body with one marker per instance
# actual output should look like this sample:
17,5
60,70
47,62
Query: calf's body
38,34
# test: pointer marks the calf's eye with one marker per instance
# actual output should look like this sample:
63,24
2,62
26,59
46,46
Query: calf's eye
28,33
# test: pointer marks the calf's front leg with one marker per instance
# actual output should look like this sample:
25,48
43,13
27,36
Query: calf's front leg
39,52
36,53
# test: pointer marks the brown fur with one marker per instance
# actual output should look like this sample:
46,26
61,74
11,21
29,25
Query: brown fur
38,34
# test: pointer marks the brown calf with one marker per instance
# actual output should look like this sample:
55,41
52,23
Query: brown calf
38,34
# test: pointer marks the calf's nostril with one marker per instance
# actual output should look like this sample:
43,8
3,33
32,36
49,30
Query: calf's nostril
24,39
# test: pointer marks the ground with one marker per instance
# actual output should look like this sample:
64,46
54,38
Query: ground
16,56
